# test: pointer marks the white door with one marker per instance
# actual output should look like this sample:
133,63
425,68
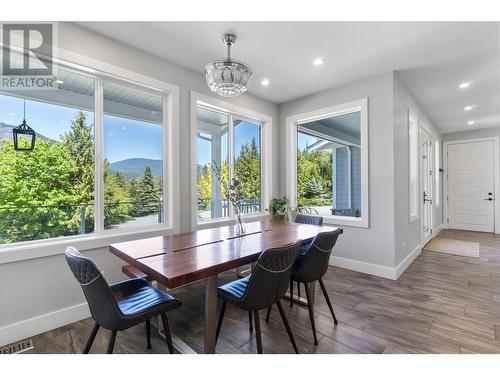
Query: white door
426,165
471,186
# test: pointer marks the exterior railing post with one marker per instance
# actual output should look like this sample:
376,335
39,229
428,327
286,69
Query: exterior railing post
82,220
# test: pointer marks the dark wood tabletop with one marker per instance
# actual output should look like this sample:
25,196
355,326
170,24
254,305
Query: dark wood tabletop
179,259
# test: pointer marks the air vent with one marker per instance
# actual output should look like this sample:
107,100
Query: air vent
17,347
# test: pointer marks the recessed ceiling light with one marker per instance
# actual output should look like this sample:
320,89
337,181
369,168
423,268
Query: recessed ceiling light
264,82
467,108
60,82
470,123
464,85
318,61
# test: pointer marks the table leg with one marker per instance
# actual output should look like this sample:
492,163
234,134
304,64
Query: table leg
210,313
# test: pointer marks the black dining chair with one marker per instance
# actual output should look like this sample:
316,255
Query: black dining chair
119,306
264,287
312,265
302,218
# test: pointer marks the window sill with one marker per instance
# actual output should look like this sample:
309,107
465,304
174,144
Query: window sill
45,248
346,221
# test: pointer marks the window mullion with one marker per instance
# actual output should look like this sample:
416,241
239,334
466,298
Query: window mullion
230,166
99,162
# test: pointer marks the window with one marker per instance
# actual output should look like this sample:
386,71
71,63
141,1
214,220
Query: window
413,165
48,192
329,169
232,143
133,157
52,191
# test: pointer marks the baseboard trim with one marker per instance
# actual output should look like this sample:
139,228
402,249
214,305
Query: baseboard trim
363,267
42,323
405,263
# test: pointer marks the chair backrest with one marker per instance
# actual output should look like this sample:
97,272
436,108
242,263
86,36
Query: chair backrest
101,301
271,276
309,219
313,264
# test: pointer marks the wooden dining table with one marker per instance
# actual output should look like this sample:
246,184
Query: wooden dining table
180,259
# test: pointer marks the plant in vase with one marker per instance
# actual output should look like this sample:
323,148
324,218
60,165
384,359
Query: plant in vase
234,190
278,207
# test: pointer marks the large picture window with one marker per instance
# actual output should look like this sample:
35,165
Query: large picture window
329,168
52,191
233,143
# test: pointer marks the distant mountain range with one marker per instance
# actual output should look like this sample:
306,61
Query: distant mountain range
6,132
134,167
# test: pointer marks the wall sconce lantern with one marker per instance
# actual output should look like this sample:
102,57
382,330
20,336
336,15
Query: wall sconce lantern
24,136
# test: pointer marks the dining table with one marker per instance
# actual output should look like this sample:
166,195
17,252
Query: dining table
176,260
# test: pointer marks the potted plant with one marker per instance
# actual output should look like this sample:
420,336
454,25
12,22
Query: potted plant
278,207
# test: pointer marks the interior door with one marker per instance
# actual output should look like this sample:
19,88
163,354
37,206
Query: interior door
471,186
426,165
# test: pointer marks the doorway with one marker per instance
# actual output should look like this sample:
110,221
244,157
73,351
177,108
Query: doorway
472,184
426,191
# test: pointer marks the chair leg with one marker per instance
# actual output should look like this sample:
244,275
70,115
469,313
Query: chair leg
257,331
311,312
166,329
221,318
287,326
298,289
250,320
111,342
91,339
148,333
268,313
328,300
291,292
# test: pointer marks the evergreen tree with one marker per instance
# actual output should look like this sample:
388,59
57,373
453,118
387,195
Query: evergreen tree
116,198
148,195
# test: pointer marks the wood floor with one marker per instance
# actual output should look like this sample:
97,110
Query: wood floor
441,304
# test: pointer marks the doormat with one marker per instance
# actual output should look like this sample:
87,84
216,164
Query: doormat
453,247
18,347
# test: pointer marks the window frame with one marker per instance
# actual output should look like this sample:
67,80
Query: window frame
292,122
241,113
101,71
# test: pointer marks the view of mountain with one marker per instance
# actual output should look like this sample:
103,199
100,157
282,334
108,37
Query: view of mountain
132,168
6,132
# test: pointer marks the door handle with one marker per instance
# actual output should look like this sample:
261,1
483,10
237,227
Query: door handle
488,199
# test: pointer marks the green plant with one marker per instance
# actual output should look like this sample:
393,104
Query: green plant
278,206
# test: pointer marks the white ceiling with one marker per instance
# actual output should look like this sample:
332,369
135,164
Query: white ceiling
433,57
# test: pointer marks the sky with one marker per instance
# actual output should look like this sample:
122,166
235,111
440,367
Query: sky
123,138
243,133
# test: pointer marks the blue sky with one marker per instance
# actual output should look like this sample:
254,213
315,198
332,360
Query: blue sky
123,138
304,140
243,133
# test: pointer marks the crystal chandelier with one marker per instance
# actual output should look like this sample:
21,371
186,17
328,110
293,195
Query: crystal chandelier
228,77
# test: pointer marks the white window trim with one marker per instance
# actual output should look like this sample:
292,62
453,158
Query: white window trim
414,216
361,106
98,239
266,157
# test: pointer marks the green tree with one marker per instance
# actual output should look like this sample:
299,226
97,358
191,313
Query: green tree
147,194
36,192
116,198
247,170
79,143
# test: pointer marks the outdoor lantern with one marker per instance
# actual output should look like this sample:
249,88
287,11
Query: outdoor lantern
24,136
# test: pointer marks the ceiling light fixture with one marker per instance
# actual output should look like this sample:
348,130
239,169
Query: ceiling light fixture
467,108
318,61
464,85
264,82
470,122
228,77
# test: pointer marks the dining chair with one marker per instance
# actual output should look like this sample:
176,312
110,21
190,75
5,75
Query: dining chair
302,218
266,285
120,306
312,265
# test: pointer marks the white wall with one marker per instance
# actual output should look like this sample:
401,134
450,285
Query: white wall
41,294
471,134
370,248
407,235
